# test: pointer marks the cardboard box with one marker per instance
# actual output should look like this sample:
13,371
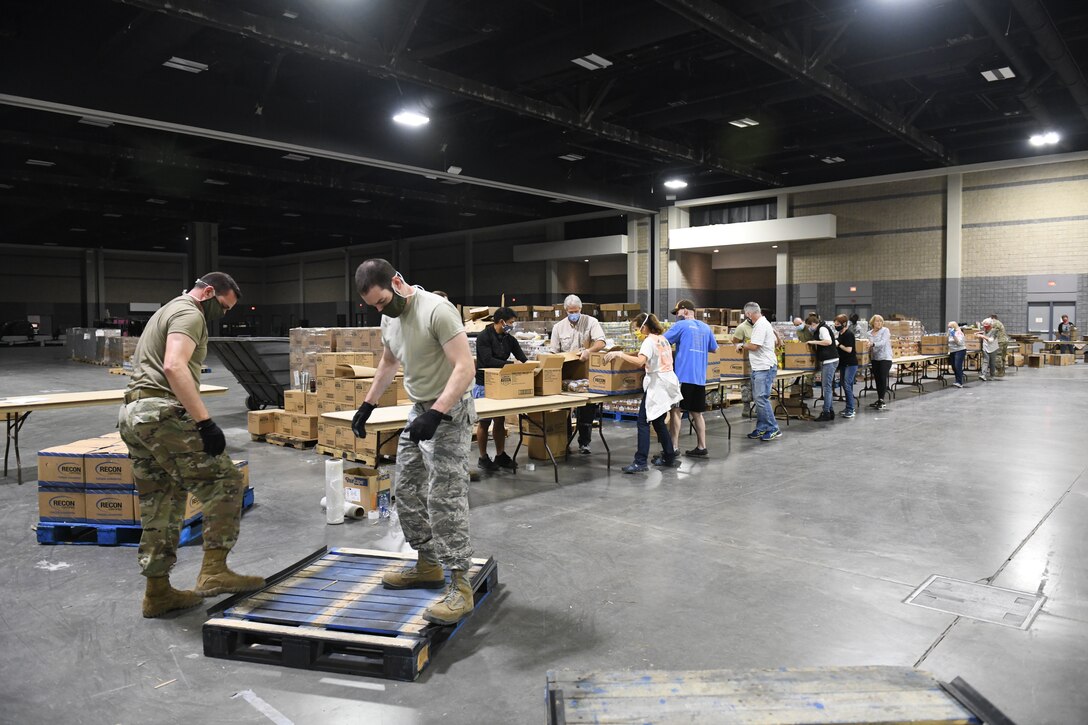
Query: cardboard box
326,390
612,312
542,312
109,504
728,353
297,425
312,401
554,426
262,422
327,361
1061,359
1037,361
713,367
294,401
574,368
63,464
61,503
108,466
357,339
548,378
352,392
510,381
402,394
618,376
735,370
370,488
1015,359
798,356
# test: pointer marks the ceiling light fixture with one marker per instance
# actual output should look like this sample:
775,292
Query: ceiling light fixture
585,260
360,201
216,182
290,14
155,201
998,74
295,157
832,159
774,246
39,162
291,214
744,123
189,66
1040,139
455,170
97,122
411,118
715,251
572,157
467,213
592,62
676,184
112,215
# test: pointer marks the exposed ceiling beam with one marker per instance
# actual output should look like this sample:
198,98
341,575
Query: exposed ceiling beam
728,26
374,62
1053,50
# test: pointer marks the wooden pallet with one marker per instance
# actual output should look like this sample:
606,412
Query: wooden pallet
120,371
278,439
354,457
104,534
329,612
784,695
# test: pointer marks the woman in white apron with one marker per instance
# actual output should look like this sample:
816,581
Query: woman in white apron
661,392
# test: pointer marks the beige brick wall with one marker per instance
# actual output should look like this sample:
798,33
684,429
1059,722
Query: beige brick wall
853,192
1039,247
917,255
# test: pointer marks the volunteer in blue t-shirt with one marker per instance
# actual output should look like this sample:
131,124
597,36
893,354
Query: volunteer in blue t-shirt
694,340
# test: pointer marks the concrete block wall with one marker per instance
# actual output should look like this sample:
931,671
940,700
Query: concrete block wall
736,287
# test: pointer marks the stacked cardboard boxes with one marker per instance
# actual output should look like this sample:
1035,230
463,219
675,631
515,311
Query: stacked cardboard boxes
863,347
1061,359
119,350
618,311
798,356
90,482
906,337
933,345
733,365
714,366
552,427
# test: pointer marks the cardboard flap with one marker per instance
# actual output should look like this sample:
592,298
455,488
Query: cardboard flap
354,371
548,361
524,367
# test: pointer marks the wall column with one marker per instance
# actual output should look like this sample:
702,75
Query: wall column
782,282
953,248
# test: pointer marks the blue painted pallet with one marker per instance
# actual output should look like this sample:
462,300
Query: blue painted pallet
330,612
50,532
613,415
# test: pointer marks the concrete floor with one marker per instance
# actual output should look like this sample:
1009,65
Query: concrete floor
797,552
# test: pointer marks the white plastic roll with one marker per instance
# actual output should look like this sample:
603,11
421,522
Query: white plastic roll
351,510
334,491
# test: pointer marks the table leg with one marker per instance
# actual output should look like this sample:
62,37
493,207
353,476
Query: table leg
600,433
722,405
14,424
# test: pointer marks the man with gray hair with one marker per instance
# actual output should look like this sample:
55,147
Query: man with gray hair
761,354
581,334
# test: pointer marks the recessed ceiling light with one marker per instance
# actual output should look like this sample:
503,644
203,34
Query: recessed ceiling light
774,246
411,118
216,182
238,229
290,14
572,157
295,157
77,229
676,184
467,213
291,214
715,251
1040,139
112,215
189,66
998,74
744,123
455,170
833,159
156,201
39,162
592,62
585,260
360,201
92,121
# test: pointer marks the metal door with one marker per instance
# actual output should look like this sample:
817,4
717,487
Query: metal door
1039,318
1060,308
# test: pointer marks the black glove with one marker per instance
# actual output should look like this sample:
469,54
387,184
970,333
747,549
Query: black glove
212,435
358,423
425,425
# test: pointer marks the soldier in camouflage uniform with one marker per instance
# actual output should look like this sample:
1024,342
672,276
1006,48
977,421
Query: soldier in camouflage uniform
1003,342
424,333
177,449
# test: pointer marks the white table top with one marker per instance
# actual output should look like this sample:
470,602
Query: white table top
45,401
394,417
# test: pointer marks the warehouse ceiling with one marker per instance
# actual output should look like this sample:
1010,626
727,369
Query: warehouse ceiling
122,120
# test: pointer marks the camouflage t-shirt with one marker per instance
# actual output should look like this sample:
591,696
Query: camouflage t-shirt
183,315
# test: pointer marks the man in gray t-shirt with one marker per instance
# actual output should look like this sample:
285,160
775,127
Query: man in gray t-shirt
423,333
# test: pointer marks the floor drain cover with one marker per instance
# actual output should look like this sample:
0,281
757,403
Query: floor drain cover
983,602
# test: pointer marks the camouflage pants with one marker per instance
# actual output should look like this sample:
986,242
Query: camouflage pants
168,462
1003,355
431,487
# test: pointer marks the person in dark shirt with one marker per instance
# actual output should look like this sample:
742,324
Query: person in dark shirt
494,346
848,362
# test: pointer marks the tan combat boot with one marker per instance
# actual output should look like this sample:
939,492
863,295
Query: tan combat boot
457,603
426,574
160,597
215,578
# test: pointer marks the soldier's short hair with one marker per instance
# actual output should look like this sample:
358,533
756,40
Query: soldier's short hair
374,273
222,282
